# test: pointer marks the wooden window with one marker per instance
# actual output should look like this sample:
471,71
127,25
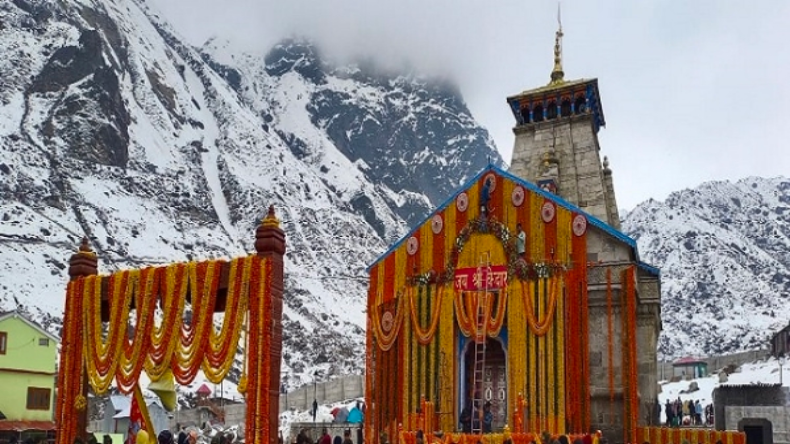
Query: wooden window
3,342
44,342
38,398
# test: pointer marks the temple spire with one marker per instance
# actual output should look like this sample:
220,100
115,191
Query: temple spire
557,75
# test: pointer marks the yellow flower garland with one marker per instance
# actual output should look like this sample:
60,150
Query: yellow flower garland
219,356
166,335
424,336
538,327
190,349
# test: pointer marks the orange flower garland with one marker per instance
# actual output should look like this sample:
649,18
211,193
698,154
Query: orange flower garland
629,345
424,336
109,353
258,414
610,341
71,364
203,283
494,323
163,341
540,328
466,312
102,358
218,358
131,360
385,340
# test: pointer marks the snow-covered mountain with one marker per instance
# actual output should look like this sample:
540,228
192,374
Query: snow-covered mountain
724,253
112,126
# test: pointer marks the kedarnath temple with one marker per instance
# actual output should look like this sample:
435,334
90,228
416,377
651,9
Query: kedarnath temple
518,305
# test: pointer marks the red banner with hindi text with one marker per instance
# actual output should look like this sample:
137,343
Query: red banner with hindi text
492,277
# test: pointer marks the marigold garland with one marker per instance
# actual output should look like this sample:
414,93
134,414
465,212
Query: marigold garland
68,389
610,341
258,414
385,340
538,327
466,308
163,340
102,358
517,362
630,380
193,341
218,361
664,435
425,335
131,359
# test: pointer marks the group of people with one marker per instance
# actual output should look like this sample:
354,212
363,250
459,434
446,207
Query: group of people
688,413
304,438
470,416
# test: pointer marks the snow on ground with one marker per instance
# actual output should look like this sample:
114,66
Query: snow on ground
759,372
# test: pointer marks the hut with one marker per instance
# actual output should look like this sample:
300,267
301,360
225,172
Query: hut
689,368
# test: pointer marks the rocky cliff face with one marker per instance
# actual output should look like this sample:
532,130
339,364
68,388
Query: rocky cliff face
112,127
724,252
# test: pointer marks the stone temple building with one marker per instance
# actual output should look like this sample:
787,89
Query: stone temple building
556,147
519,296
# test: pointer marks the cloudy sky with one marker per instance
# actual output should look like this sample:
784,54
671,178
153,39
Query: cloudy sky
692,90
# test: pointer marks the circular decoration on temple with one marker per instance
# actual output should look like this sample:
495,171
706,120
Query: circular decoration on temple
462,202
386,321
579,225
491,179
518,195
548,211
412,245
437,223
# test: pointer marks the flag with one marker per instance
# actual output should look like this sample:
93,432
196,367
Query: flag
165,388
139,419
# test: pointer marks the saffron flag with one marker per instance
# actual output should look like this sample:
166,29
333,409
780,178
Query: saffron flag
139,419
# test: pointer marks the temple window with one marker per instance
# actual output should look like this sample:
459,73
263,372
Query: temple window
525,114
580,105
565,107
551,110
537,113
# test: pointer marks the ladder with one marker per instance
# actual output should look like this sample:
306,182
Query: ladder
478,372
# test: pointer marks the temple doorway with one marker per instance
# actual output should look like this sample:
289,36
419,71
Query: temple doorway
494,379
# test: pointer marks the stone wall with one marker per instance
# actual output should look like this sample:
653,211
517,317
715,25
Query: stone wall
329,392
778,416
336,390
616,257
728,396
314,429
575,144
234,414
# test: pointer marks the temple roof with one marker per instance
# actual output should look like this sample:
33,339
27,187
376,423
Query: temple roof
592,220
553,87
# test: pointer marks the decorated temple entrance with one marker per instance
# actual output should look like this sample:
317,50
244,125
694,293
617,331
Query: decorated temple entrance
494,385
174,336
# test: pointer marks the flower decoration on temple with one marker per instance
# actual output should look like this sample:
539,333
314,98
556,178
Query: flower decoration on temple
437,223
462,202
548,211
518,196
412,245
579,225
517,267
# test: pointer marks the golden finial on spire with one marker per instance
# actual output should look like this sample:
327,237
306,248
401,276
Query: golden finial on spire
557,75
